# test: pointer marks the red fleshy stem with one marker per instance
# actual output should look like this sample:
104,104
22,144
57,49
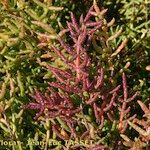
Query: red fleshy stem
124,110
124,82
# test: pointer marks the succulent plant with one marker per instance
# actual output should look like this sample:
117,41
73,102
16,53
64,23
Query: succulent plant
80,87
76,71
144,133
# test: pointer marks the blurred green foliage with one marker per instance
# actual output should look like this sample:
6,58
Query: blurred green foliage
133,16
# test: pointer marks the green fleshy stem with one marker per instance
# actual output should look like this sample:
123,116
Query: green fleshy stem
20,84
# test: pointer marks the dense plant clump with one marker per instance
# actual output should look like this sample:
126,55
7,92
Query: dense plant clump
133,17
21,26
70,88
144,133
78,79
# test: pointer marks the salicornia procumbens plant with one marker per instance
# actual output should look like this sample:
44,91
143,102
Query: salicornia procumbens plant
80,86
